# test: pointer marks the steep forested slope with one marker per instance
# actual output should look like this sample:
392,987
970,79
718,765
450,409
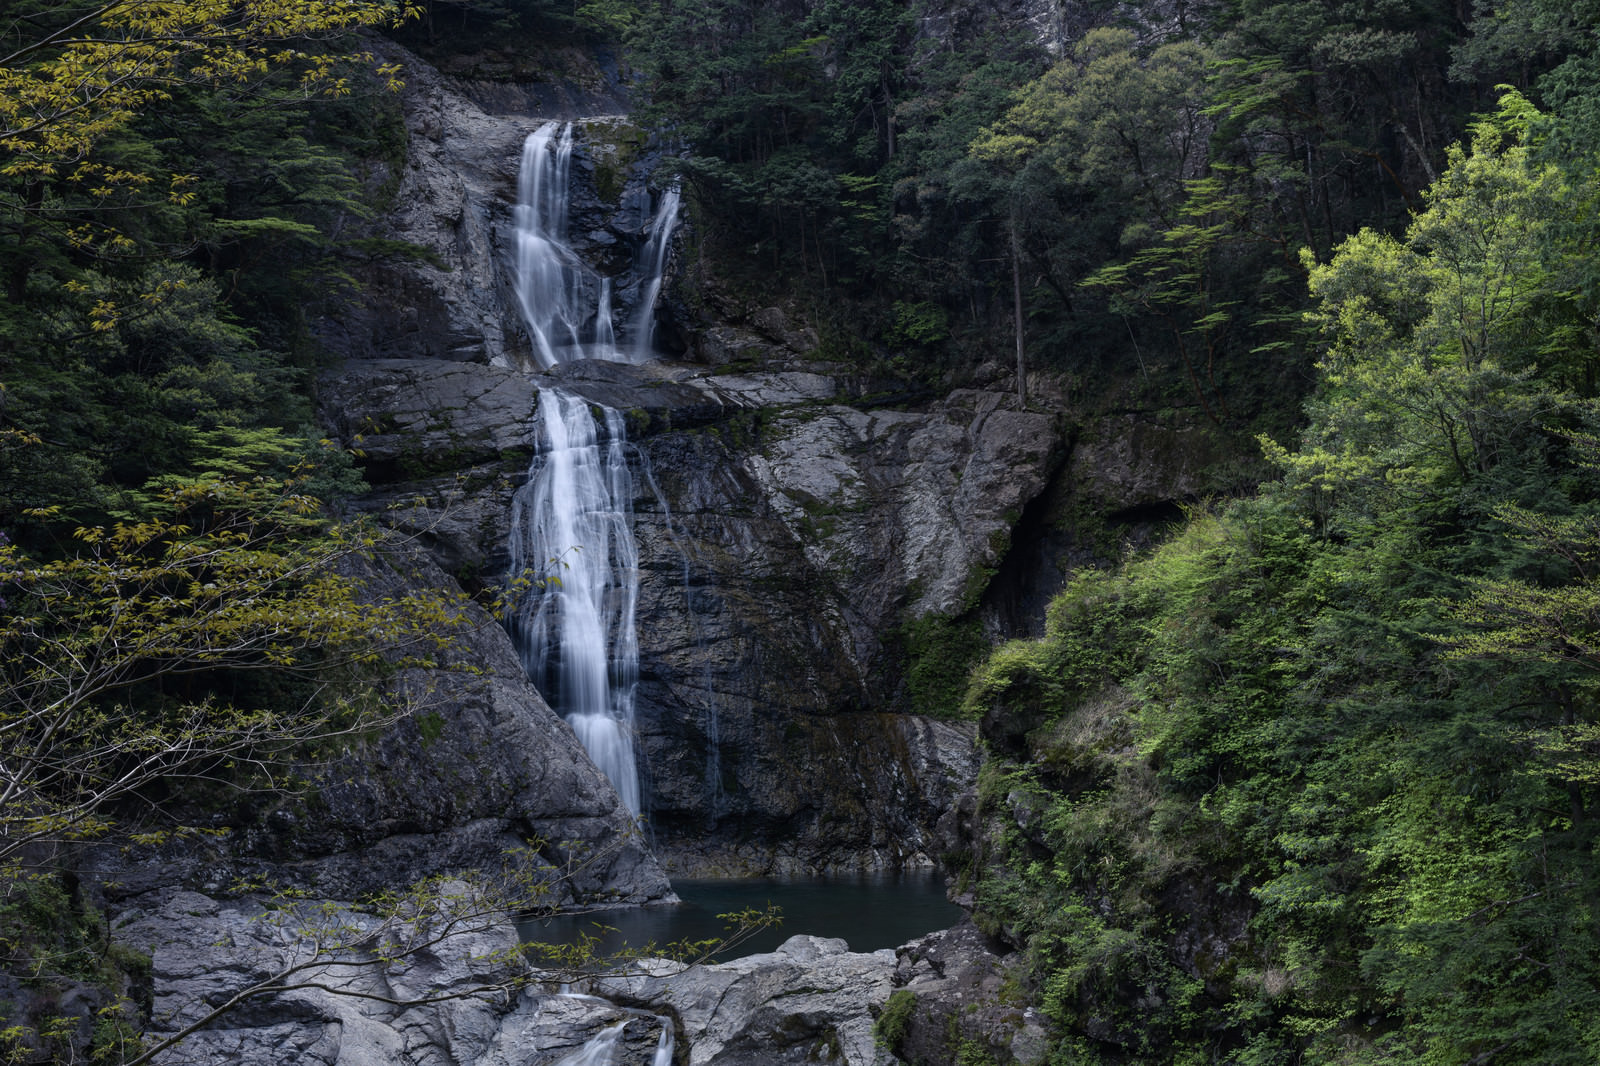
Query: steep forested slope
1316,781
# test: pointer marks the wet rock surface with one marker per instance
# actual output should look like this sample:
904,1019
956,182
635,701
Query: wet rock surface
337,986
440,282
962,989
791,517
331,984
784,535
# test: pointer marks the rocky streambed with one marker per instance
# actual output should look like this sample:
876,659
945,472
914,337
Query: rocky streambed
462,995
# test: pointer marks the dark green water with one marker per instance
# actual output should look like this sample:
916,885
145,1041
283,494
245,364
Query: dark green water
871,911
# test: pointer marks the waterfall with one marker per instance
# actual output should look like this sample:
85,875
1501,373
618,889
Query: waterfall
605,335
571,527
571,523
653,264
664,1046
599,1051
565,304
550,278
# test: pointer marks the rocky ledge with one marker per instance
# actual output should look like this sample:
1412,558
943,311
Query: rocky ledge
320,983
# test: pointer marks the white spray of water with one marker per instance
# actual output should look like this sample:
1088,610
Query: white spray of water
601,1050
565,304
664,1046
571,526
653,263
571,522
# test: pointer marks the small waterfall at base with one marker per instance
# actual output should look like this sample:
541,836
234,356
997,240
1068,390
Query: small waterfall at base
571,525
599,1051
665,1047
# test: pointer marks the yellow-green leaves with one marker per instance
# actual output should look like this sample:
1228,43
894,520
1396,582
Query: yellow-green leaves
120,662
1111,118
73,83
1434,342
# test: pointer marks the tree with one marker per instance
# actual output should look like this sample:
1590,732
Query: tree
128,663
1116,134
1436,343
1547,620
76,72
159,270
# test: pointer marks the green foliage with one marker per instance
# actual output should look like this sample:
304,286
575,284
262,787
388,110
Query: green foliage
49,943
918,325
155,325
894,1022
127,660
940,654
1316,780
1125,128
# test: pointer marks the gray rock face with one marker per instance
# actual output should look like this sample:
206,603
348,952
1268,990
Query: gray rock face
455,299
789,528
342,987
479,772
425,411
786,529
337,986
453,199
784,536
811,1001
958,988
782,550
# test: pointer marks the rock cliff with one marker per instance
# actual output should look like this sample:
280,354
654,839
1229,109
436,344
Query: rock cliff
479,772
797,521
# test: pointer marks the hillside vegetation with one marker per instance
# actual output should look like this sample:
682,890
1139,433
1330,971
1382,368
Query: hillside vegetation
1317,780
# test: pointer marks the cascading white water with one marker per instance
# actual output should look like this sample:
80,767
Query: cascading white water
550,278
571,523
565,304
605,335
571,527
653,261
601,1050
664,1046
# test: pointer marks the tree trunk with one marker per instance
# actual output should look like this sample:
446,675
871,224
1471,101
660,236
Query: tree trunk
1016,310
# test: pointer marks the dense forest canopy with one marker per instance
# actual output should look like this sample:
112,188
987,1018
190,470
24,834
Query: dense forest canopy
1148,174
159,262
1314,782
1349,724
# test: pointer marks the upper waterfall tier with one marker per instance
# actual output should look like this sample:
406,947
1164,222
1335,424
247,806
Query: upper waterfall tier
565,303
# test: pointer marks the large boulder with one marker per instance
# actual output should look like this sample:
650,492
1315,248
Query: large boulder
811,1001
956,993
318,983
